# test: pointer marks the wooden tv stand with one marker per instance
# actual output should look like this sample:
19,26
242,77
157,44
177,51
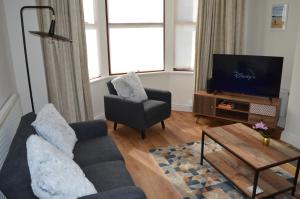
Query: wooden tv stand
241,108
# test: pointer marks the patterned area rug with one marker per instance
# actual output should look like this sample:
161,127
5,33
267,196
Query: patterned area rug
181,165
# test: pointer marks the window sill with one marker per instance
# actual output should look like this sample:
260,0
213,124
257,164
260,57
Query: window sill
139,72
153,73
182,72
98,79
106,78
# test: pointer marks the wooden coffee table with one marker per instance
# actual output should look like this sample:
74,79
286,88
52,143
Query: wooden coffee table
245,162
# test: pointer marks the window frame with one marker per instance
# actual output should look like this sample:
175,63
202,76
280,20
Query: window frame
95,26
163,25
181,23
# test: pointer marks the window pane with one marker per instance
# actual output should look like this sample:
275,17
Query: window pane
88,8
93,53
136,49
185,47
135,11
186,10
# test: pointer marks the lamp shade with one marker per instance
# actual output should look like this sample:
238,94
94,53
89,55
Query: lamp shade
51,33
47,35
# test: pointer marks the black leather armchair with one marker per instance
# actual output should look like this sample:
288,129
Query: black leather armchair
141,115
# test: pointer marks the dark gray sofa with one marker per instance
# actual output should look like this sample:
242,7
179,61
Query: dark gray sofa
94,152
138,115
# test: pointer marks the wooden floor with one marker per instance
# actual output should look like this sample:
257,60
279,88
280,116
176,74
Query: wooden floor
180,128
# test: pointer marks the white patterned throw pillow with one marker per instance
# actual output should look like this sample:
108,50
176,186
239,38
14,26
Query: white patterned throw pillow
130,87
50,125
53,174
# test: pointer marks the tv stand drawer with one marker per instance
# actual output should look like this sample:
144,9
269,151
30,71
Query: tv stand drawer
261,109
204,105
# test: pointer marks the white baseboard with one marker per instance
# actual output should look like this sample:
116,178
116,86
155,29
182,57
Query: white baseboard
175,107
182,107
291,139
100,117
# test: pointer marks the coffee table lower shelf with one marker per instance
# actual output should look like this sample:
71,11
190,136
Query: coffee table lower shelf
242,176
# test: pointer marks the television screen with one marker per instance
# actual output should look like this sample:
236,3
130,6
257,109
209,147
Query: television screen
253,75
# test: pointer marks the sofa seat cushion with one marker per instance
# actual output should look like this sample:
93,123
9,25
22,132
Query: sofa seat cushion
108,175
96,150
155,110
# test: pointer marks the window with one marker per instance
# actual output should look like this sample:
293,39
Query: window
91,31
136,35
185,33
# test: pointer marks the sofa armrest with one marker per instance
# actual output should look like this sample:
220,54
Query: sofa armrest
89,129
124,111
161,95
119,193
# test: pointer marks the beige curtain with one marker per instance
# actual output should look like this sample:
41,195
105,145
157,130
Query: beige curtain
220,29
66,63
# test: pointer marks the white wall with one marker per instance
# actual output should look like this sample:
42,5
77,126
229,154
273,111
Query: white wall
181,85
12,9
7,82
292,133
254,26
262,40
98,91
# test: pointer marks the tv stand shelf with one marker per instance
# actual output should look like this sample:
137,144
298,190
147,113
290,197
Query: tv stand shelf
237,107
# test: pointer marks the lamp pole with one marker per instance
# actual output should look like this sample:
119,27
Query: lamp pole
50,34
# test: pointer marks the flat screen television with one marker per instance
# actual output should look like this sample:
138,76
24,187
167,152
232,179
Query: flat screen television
252,75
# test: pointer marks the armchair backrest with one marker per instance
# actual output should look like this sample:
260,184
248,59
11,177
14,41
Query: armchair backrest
111,88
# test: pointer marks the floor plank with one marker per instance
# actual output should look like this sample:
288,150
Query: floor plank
181,128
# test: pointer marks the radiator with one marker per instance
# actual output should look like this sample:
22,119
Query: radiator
10,116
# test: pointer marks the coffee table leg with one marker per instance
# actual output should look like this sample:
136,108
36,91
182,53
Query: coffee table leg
255,184
296,177
202,148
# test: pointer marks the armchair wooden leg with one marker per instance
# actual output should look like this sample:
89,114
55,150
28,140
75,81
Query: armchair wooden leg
163,124
115,125
143,134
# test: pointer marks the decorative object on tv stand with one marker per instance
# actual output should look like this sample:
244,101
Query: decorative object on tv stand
262,128
49,34
226,105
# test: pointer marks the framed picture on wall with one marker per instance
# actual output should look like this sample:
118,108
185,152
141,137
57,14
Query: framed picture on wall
279,16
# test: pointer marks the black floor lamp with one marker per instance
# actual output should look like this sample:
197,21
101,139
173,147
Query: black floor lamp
49,34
